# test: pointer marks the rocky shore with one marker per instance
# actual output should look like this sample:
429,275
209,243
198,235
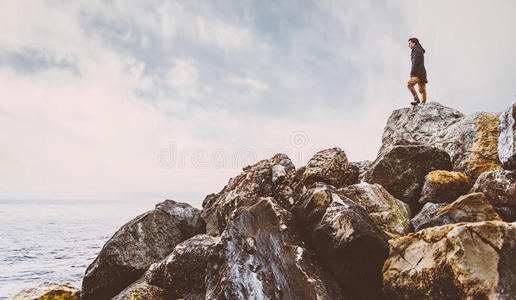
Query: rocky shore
430,218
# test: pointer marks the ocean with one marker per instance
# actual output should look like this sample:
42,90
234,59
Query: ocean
55,240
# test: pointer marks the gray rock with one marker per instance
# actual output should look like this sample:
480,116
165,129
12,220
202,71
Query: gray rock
182,273
425,214
346,239
402,169
420,125
444,186
330,166
362,166
262,256
388,213
255,181
500,188
468,208
471,141
506,139
136,245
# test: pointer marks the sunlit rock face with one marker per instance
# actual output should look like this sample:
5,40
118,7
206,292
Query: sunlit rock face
459,261
444,186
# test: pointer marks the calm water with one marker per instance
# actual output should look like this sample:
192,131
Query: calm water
55,241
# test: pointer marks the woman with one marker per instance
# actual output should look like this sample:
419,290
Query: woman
418,71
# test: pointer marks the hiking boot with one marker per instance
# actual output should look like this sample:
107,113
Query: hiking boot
415,102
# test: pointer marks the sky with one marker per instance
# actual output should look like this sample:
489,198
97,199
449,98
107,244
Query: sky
153,100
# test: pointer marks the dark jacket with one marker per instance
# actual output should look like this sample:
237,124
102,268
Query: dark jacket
418,63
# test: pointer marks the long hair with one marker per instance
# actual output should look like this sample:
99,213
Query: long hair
414,40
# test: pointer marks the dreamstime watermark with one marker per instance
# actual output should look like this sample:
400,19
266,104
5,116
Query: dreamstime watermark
176,157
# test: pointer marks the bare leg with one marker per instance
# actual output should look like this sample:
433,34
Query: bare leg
422,91
410,85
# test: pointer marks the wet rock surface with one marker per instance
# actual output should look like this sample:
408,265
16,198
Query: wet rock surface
137,244
263,257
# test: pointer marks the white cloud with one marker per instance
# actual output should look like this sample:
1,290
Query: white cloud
211,80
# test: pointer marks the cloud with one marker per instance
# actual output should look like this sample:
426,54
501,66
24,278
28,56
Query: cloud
96,95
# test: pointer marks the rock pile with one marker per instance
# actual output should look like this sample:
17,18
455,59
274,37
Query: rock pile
429,218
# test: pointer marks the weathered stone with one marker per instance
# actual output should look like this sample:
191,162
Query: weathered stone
275,177
330,166
425,214
183,272
362,167
50,290
419,125
473,144
471,141
506,139
459,261
444,186
141,289
348,242
388,213
402,169
137,244
263,257
498,186
473,207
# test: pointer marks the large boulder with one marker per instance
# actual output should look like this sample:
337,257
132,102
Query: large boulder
468,208
419,125
471,141
402,169
50,290
388,213
500,188
182,273
506,139
459,261
330,166
262,256
274,177
347,241
137,244
444,186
